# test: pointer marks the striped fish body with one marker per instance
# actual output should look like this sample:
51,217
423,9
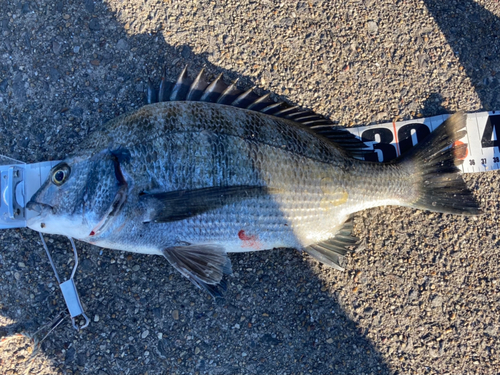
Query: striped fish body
194,180
311,186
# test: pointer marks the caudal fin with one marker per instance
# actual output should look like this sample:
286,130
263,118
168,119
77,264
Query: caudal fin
434,165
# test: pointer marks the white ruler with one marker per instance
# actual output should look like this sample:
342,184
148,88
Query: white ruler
389,140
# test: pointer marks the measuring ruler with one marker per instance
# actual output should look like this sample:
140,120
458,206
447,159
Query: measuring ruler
389,140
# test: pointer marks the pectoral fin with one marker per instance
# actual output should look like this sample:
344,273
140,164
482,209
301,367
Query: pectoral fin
332,251
183,204
204,265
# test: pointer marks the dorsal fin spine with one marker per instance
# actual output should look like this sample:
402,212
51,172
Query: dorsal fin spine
210,89
219,92
272,107
198,86
285,111
151,96
230,91
180,86
260,100
239,100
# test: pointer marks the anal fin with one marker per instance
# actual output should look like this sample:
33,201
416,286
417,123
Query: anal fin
332,251
204,265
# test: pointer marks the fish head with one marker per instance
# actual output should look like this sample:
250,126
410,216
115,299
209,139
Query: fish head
80,196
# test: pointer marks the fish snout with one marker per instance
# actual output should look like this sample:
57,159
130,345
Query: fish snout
39,207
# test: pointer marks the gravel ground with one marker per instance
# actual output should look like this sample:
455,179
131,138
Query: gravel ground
421,293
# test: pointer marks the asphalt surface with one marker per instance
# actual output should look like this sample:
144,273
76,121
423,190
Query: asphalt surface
422,291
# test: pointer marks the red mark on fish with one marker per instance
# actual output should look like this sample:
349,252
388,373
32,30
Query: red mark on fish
242,235
249,241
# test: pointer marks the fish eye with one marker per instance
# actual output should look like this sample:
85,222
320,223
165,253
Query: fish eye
60,174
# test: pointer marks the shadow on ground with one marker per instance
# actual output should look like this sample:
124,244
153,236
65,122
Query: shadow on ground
473,33
74,67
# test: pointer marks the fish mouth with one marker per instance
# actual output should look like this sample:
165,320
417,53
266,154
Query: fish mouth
41,208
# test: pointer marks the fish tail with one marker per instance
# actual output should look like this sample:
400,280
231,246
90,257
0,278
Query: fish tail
434,165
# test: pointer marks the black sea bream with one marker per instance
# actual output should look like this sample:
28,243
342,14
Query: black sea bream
214,170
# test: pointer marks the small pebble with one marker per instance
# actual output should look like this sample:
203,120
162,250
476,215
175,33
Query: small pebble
356,277
175,314
56,47
96,318
372,27
94,25
145,334
122,45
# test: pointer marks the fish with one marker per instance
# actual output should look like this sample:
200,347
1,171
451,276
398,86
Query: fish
205,169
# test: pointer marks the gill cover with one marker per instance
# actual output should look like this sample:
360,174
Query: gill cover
81,196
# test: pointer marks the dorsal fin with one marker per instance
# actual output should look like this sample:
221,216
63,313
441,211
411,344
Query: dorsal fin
217,91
